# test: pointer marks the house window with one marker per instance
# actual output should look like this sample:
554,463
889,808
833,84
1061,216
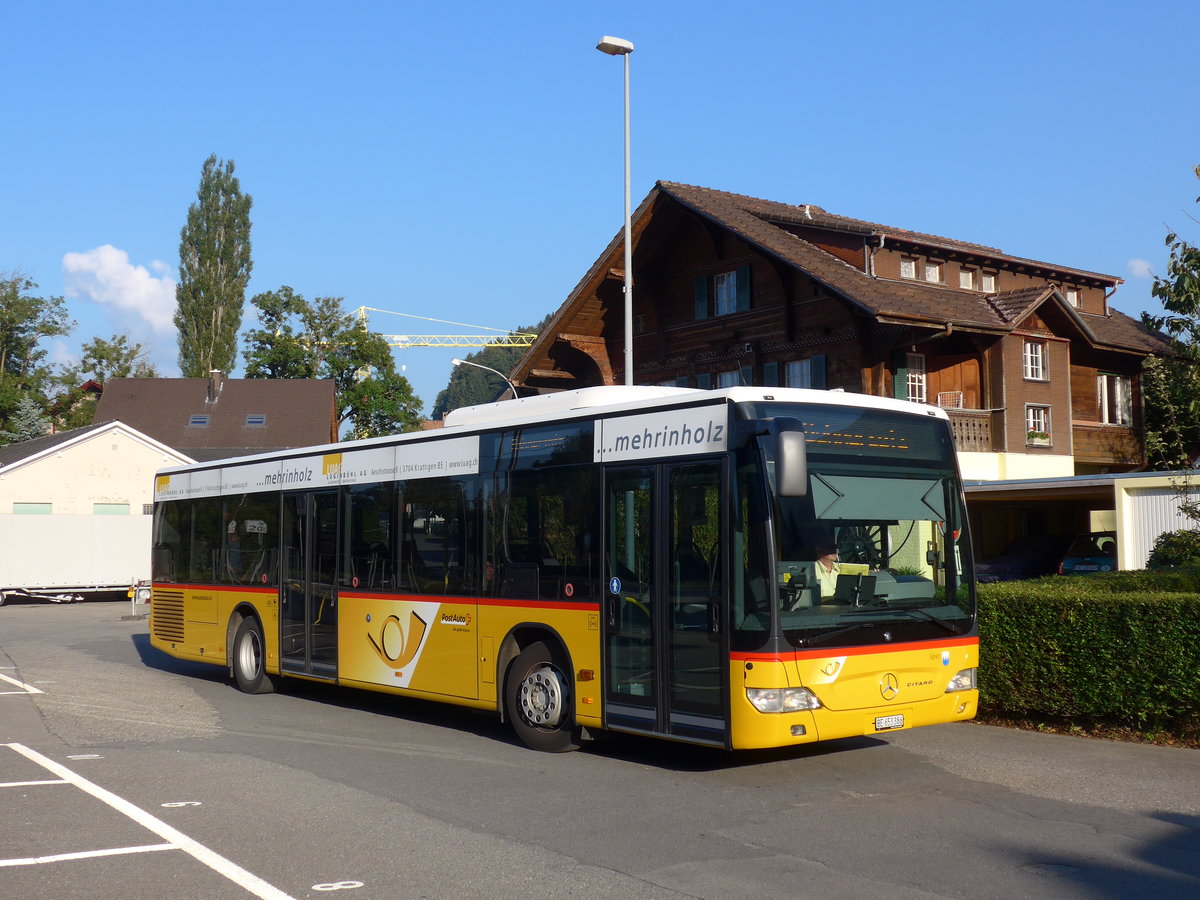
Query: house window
987,282
1073,297
198,420
730,293
966,279
725,289
805,373
915,364
110,509
1035,361
1115,395
798,373
32,509
729,379
933,272
908,268
1037,424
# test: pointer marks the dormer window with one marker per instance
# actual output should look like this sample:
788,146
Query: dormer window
933,272
908,268
987,282
1072,295
966,279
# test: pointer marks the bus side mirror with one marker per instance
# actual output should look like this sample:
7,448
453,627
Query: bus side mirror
791,464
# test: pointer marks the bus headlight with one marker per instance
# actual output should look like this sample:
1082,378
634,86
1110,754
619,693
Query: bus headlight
779,700
963,681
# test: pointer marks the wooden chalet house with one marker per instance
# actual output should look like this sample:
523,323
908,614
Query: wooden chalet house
1039,374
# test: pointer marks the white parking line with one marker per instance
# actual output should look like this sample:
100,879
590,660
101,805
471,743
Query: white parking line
86,854
176,839
4,784
24,688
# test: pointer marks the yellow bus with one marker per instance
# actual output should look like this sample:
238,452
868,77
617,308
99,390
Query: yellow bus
626,559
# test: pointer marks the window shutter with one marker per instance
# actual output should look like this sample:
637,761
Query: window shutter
701,294
771,374
704,382
900,381
746,376
743,288
817,370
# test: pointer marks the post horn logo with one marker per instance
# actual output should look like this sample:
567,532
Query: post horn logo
394,647
889,687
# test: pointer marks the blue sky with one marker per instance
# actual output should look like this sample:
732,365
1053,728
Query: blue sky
464,160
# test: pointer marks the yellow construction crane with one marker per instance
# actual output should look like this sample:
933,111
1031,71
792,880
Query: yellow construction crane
500,338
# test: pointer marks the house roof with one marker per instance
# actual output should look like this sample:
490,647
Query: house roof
769,226
758,221
15,455
248,415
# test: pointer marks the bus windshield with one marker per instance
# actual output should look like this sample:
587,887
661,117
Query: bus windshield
875,551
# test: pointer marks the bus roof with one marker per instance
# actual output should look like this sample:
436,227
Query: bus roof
608,399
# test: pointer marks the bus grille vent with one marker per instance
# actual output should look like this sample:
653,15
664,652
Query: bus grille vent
166,615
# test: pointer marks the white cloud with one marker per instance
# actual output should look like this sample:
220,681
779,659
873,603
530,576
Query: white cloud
105,276
1139,268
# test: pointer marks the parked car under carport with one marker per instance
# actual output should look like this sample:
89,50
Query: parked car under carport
1030,556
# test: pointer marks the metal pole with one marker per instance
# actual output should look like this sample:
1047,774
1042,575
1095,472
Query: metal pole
628,245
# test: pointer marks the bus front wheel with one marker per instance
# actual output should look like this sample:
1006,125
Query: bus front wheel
250,659
538,700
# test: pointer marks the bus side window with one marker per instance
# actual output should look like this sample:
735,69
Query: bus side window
434,537
368,539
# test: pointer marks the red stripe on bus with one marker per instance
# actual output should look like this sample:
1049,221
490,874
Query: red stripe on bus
239,588
825,652
476,601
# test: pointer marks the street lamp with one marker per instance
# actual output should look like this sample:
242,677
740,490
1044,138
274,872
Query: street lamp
615,46
467,362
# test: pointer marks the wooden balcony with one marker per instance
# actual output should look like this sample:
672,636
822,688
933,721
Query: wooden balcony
1111,445
977,430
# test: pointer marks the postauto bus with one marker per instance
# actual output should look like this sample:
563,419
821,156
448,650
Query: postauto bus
628,559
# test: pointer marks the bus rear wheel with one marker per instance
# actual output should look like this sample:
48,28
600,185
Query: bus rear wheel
250,659
538,700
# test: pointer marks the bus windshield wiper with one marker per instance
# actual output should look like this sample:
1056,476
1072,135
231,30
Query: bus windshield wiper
948,625
830,635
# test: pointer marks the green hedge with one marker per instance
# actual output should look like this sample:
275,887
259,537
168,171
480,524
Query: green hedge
1121,650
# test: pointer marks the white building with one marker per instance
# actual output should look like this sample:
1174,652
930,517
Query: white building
75,509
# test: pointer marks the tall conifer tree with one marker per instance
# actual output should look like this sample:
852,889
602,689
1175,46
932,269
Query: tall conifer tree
214,269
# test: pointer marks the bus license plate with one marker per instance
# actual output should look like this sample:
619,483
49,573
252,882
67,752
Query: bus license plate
887,723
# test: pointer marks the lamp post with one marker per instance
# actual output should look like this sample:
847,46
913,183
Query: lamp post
467,362
615,46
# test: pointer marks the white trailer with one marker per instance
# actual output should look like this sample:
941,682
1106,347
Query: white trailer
64,558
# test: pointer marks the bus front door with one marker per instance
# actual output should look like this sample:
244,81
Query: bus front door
665,646
308,595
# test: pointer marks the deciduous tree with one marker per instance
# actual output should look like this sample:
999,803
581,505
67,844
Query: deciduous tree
317,339
25,320
1172,385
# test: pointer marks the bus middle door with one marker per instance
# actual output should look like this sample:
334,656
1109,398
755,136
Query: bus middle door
308,601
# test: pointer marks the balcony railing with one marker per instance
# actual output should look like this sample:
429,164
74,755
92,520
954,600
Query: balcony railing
974,429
